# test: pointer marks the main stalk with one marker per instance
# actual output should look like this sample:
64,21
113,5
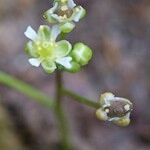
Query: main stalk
62,122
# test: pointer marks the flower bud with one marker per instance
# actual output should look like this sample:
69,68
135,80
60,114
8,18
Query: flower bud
67,27
81,53
75,67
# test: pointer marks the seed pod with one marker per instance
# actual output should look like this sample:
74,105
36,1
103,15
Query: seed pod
115,109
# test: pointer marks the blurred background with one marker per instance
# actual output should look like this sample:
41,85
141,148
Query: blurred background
119,33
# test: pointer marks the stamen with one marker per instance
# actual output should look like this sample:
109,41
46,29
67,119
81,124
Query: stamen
127,107
107,110
64,8
45,45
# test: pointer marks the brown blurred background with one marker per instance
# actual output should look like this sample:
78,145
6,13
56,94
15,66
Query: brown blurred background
119,33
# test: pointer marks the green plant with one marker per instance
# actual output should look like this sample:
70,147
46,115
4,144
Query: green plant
44,49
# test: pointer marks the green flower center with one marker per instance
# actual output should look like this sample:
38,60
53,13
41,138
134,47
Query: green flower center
45,49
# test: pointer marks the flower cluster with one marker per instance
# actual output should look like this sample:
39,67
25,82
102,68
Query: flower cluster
115,109
44,50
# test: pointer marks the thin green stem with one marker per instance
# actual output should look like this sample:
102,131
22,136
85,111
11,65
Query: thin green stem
26,89
63,124
80,99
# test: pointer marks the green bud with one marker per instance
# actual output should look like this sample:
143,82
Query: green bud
81,53
67,27
75,67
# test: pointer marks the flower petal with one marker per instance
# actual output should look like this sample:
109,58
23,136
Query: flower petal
44,32
57,18
52,10
71,3
30,33
114,119
49,66
63,48
78,13
48,14
65,61
30,49
102,115
106,98
55,31
123,121
35,62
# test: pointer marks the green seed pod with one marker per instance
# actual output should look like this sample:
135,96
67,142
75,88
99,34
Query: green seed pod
81,53
115,109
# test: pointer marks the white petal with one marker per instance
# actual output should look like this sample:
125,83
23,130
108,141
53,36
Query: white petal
34,62
55,32
30,33
114,119
109,97
71,3
77,17
102,115
53,8
56,17
79,14
65,61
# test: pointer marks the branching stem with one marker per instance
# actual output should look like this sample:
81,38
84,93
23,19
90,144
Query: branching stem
80,99
26,89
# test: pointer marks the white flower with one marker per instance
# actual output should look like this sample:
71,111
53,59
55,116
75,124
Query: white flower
65,13
43,48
